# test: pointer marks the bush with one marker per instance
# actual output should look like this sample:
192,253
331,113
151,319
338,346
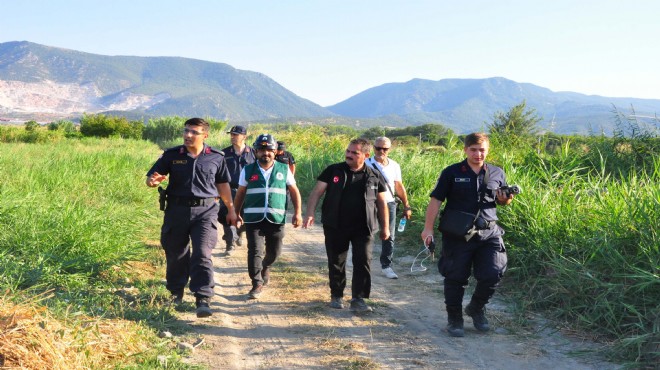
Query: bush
163,129
31,125
106,126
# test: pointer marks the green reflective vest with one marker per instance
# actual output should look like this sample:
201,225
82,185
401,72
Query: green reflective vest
265,200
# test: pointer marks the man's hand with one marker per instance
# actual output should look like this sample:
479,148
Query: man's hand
502,198
384,234
231,217
427,236
308,221
296,220
155,179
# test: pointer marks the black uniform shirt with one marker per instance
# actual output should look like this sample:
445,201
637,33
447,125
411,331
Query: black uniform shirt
286,158
460,186
236,162
353,203
192,177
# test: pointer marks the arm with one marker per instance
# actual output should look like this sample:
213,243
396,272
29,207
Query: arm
296,220
401,192
313,199
155,179
225,194
238,203
431,214
383,216
292,163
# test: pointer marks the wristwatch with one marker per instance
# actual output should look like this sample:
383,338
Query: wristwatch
407,208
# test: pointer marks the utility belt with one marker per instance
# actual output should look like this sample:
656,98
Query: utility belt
190,201
481,224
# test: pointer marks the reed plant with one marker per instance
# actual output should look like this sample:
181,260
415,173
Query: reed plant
75,214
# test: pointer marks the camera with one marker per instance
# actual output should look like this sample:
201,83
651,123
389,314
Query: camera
511,189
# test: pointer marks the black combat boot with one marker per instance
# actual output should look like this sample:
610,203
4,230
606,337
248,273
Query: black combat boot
476,311
455,321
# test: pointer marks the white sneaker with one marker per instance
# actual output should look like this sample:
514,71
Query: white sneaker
389,273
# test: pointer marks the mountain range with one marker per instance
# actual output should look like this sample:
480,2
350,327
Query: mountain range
46,83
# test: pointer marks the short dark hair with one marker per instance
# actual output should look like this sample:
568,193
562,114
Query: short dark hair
365,145
198,122
476,138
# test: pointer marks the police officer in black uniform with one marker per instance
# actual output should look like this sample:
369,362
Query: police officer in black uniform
197,176
470,186
237,156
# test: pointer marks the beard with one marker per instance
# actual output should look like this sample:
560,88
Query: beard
265,160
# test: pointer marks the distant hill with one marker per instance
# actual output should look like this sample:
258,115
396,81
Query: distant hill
465,104
41,79
47,83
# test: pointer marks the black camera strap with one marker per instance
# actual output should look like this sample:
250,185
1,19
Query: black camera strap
375,166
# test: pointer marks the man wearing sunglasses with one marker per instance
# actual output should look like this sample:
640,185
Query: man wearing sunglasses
391,171
198,175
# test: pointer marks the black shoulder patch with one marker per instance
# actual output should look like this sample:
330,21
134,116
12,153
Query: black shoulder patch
214,150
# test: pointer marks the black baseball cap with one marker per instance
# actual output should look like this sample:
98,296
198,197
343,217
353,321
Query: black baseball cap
281,145
238,130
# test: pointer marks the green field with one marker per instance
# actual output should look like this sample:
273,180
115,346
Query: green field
583,238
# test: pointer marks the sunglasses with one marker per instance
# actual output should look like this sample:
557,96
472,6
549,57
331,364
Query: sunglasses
381,148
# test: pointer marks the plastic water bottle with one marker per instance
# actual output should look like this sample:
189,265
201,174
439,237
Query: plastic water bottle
402,225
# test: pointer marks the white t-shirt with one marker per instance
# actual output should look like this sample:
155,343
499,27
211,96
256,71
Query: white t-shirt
391,172
242,181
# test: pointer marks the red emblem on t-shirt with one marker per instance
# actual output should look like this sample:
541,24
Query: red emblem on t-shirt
463,169
335,179
254,177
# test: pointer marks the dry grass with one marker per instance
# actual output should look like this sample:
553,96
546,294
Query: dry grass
30,338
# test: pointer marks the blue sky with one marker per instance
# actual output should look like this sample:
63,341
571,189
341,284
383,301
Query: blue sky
328,51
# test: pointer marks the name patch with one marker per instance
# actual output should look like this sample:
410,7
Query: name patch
462,179
180,161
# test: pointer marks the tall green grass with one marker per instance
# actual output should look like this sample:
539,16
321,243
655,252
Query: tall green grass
71,210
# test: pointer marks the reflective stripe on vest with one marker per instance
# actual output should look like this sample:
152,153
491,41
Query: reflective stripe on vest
265,201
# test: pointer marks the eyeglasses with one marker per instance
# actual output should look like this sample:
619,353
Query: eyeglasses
381,148
192,132
353,152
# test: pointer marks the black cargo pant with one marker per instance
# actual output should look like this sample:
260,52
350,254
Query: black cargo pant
264,246
188,236
337,242
485,258
227,235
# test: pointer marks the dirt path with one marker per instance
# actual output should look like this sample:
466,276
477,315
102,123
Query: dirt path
290,326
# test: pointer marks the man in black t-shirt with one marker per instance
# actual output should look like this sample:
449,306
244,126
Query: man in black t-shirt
285,157
353,208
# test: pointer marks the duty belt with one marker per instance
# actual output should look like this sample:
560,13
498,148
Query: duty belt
481,224
190,201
